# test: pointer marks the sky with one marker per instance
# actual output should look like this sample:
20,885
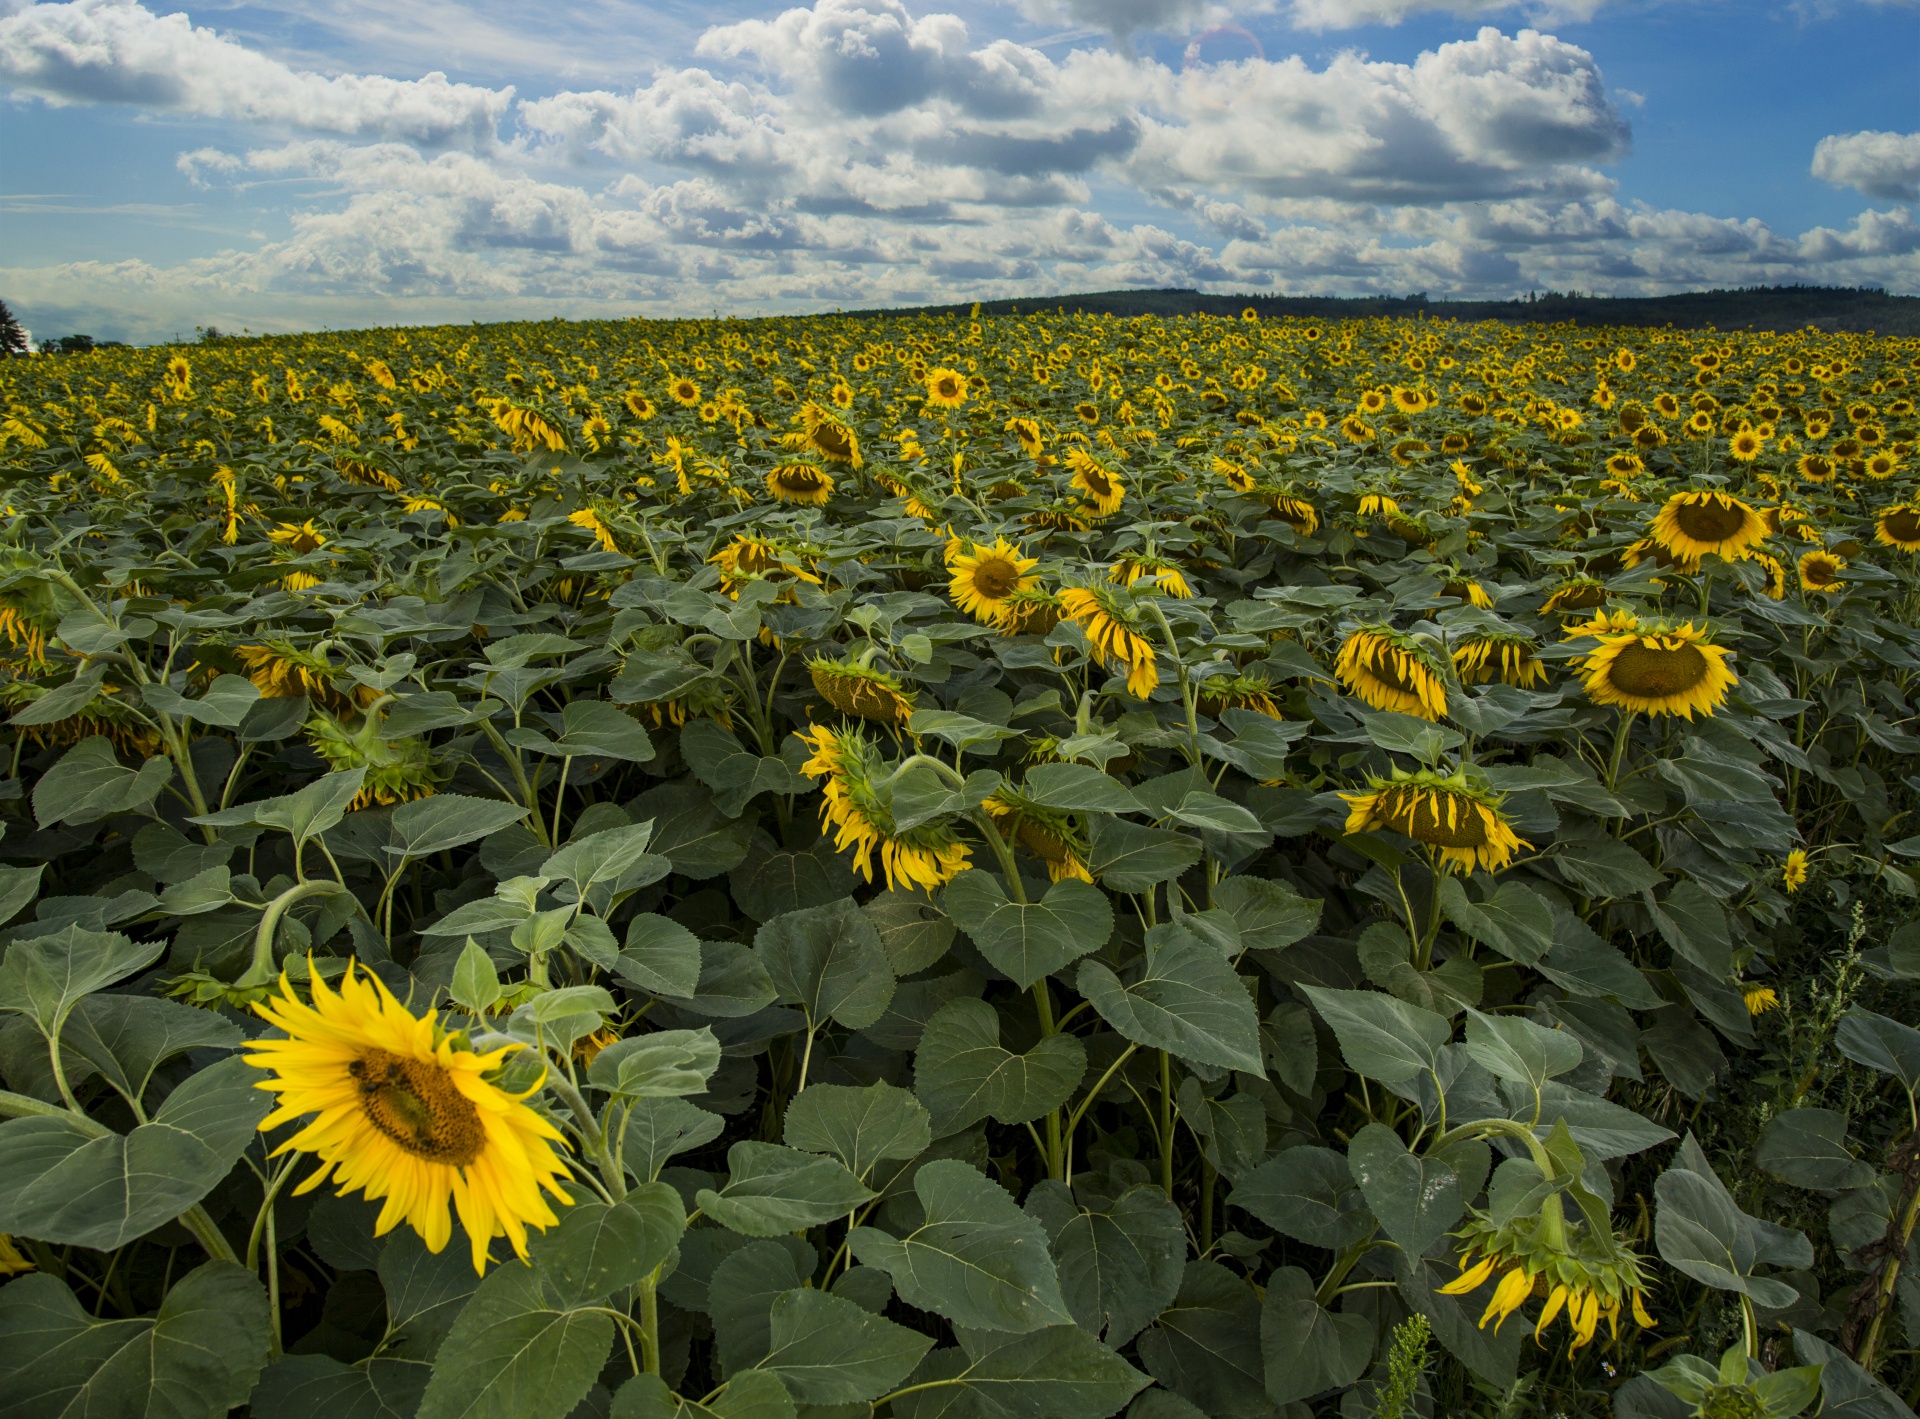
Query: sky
276,165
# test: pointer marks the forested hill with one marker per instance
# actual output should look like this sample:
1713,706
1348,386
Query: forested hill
1756,308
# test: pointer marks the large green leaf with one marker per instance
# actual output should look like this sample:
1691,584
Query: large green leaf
1417,1199
89,784
1078,788
690,830
1382,1037
45,977
1120,1261
1308,1348
600,1248
1873,1040
1205,1347
826,1350
657,1129
860,1127
1306,1193
1700,1230
740,1297
1510,1047
1183,998
828,961
321,1387
1271,915
773,1190
734,773
304,814
913,931
196,1359
963,1073
1027,942
1514,919
63,1183
1808,1148
447,820
657,1065
518,1351
977,1259
1129,857
1058,1373
590,729
126,1037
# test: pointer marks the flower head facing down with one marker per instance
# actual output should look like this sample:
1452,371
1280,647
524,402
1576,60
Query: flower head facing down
1507,657
861,690
1391,670
807,484
855,809
401,1110
1658,671
1461,822
1587,1274
1104,620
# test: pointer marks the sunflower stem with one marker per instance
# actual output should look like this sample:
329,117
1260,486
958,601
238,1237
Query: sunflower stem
197,1221
1619,749
260,970
591,1134
650,1322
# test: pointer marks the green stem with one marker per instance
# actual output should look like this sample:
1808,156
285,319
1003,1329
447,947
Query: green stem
560,792
590,1131
650,1322
260,971
1166,1124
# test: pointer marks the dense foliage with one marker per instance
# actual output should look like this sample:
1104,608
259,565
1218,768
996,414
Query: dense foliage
1033,866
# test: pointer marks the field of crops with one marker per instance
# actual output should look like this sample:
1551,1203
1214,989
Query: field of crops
1018,868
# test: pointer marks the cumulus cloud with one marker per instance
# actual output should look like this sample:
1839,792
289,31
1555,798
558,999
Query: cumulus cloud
116,51
1877,164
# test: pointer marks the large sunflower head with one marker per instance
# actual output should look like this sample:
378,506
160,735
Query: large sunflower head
1391,670
1132,566
398,768
1820,571
1589,1274
1460,821
983,577
1029,612
827,435
805,483
1574,595
684,392
1104,617
855,808
1898,527
1658,671
1504,656
401,1109
1100,482
861,690
1295,511
1699,521
946,389
1048,833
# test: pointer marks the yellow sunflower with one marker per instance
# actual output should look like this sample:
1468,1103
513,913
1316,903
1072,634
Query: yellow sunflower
927,856
1462,823
946,389
639,405
1508,658
1587,1274
1759,999
684,392
1659,671
1390,670
1746,445
827,435
1820,571
1793,873
1047,833
1131,567
805,483
1700,521
982,578
1100,482
1898,527
400,1111
861,690
1296,512
1105,623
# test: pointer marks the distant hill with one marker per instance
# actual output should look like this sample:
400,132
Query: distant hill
1755,308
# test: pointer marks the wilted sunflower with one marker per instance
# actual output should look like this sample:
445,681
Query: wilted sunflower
1576,594
1461,822
861,690
946,389
1589,1275
1820,571
1509,658
1247,692
1049,834
398,769
1378,505
591,520
1031,612
982,577
281,670
1898,527
1759,999
748,558
1132,566
805,483
927,856
1466,589
1700,521
1390,670
827,435
1295,511
1100,482
402,1111
1104,620
1027,431
1659,671
299,538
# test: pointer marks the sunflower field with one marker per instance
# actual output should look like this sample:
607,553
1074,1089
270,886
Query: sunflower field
1019,868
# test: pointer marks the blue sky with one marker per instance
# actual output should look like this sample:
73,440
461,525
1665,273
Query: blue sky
297,165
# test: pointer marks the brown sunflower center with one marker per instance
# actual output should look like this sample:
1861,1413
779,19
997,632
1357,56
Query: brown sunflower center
1710,521
994,577
799,480
947,388
415,1104
1096,481
1654,672
833,441
1820,573
1579,598
1423,815
1904,525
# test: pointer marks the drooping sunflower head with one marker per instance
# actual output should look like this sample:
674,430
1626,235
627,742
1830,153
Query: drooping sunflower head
983,577
1460,821
1509,658
946,389
1100,482
1700,521
1027,431
400,1109
1898,527
298,538
1820,571
1391,670
855,809
1574,595
1294,510
861,690
1030,612
805,483
1247,692
1105,617
1048,833
827,435
749,558
1129,569
1465,588
1590,1275
1658,670
639,405
398,769
1378,505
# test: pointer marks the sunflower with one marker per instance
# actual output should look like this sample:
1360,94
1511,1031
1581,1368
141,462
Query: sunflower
639,405
861,690
805,483
1746,445
403,1112
1131,567
749,558
398,769
1775,585
1104,621
1466,589
684,392
1759,999
1390,670
1100,482
1699,521
1588,1274
602,534
1881,466
12,1263
1820,571
1461,822
1506,657
1088,412
827,435
1029,612
927,856
946,389
1247,692
1898,527
1659,671
281,670
299,538
1626,465
1378,505
1793,873
1027,431
1049,834
983,577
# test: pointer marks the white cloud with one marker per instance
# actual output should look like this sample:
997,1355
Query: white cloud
115,51
1877,164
